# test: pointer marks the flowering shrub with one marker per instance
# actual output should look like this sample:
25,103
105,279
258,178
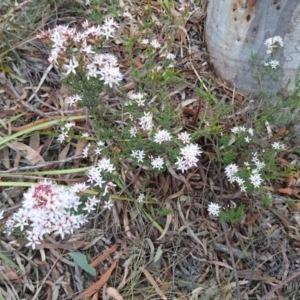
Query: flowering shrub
149,138
75,53
251,170
73,50
151,143
145,130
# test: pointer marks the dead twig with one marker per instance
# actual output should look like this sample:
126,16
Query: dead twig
233,262
277,287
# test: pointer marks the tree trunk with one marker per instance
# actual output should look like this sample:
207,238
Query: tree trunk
236,29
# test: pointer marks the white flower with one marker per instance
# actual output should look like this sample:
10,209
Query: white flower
155,44
79,187
110,75
146,121
128,15
157,163
86,48
99,147
278,146
69,125
184,137
235,129
100,144
139,155
247,139
133,131
89,206
239,181
1,214
93,200
145,41
243,188
214,209
238,129
108,204
273,64
33,239
109,186
256,179
162,136
139,98
184,5
141,197
62,136
105,165
230,170
170,56
85,151
181,164
71,67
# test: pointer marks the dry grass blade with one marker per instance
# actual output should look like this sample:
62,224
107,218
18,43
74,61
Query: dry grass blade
190,231
277,287
114,293
169,219
154,284
36,295
98,284
103,256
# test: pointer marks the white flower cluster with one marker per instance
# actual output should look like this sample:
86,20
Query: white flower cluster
139,98
73,100
272,63
64,131
155,44
97,150
146,121
138,154
273,44
48,208
157,163
214,209
95,175
243,129
81,43
278,146
188,154
255,177
141,197
189,157
162,136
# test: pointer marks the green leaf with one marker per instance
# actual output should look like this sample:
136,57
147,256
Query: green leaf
81,260
158,254
1,297
15,76
9,262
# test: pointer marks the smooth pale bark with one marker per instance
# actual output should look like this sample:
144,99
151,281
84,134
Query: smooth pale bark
237,28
